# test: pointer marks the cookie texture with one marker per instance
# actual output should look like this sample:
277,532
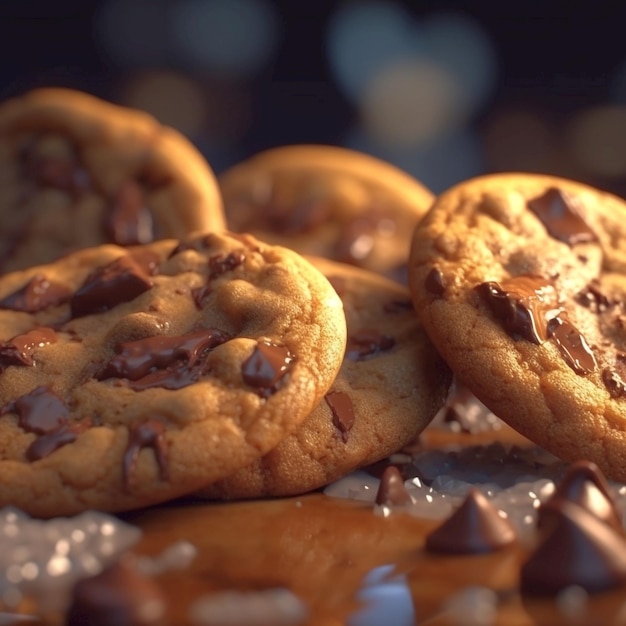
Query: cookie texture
391,384
327,201
130,376
519,280
76,171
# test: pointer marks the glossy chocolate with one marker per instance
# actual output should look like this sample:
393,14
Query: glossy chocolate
267,367
120,281
37,294
129,222
572,346
41,411
46,444
435,282
524,303
342,409
148,434
561,216
118,596
222,263
391,491
474,528
577,549
367,342
614,383
18,351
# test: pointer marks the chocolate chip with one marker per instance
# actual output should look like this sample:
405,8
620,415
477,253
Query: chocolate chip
40,411
200,294
593,298
474,528
572,346
342,409
267,367
577,549
37,294
435,282
18,351
49,442
524,303
614,383
367,342
222,263
148,434
120,281
561,216
391,491
129,222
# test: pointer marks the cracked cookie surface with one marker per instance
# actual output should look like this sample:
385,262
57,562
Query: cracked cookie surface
131,376
519,281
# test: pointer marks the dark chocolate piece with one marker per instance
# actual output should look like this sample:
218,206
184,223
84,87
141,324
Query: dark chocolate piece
577,549
267,367
342,409
148,434
118,596
524,303
120,281
222,263
614,383
47,443
474,528
129,222
18,351
572,346
200,294
40,411
434,282
560,215
391,491
367,342
593,298
37,294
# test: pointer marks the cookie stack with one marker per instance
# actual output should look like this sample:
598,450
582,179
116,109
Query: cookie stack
149,351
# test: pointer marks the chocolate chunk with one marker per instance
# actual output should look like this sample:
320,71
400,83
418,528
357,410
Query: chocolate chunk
584,485
614,383
148,434
367,342
398,306
593,298
578,549
222,263
342,409
561,217
434,282
267,367
391,491
474,528
120,281
200,294
129,222
37,294
524,303
47,443
118,596
161,358
41,411
18,351
572,346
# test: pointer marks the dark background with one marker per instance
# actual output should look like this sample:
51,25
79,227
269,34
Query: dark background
555,102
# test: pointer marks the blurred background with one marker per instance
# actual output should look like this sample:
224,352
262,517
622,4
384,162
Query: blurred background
445,90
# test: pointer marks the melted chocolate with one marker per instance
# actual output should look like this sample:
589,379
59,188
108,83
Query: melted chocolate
47,443
18,351
525,304
342,409
267,367
37,294
129,221
561,217
367,342
41,411
118,596
120,281
435,282
474,528
614,383
391,491
593,298
577,549
200,294
148,434
572,346
222,263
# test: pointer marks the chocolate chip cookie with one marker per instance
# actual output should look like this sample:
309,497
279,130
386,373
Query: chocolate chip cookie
391,384
134,375
76,171
327,201
520,282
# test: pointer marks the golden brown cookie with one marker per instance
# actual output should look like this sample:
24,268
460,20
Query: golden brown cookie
520,282
132,376
327,201
391,384
76,171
